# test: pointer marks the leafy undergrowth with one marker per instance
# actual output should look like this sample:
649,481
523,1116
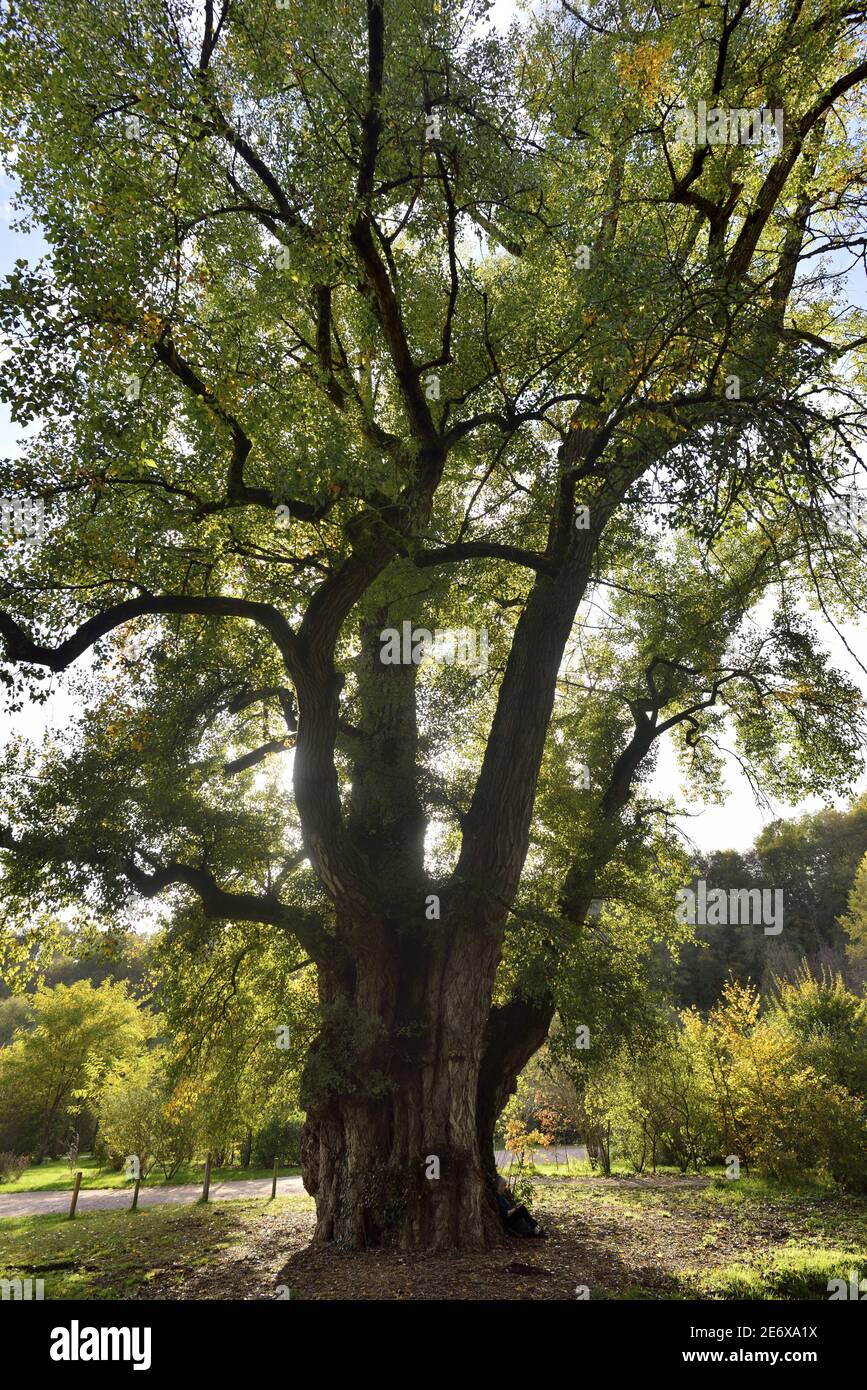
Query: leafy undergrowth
621,1238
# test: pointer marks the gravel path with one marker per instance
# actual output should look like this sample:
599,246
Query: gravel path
572,1153
106,1198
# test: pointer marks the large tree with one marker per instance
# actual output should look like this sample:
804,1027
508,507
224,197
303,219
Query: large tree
360,314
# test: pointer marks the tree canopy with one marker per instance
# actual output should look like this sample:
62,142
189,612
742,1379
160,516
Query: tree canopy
369,314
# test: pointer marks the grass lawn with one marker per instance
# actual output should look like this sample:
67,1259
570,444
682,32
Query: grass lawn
718,1239
623,1238
56,1176
123,1254
583,1168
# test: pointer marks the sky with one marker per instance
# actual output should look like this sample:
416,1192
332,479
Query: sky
732,825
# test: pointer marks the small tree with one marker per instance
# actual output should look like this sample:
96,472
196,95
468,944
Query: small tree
53,1070
144,1116
854,920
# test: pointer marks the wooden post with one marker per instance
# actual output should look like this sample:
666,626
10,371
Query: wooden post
274,1179
74,1203
135,1195
207,1187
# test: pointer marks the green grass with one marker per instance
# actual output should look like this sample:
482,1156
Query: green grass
56,1176
111,1254
812,1203
583,1168
787,1241
785,1274
803,1233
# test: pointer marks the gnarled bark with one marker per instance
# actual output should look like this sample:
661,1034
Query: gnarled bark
391,1145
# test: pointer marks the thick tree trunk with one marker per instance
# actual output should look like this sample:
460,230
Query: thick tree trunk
391,1145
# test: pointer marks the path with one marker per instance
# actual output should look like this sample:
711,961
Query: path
111,1198
108,1198
563,1153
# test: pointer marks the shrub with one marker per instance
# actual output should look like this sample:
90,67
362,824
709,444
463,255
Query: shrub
774,1109
12,1165
143,1114
280,1138
783,1091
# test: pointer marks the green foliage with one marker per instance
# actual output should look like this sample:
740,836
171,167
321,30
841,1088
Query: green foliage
782,1092
813,859
829,1023
280,1139
854,921
774,1110
143,1115
54,1068
647,1107
240,1009
254,224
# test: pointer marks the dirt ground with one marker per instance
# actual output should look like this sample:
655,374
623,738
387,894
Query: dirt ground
632,1237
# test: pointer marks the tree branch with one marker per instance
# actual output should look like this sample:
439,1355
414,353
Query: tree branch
21,648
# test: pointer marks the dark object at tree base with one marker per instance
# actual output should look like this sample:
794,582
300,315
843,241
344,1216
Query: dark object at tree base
519,1222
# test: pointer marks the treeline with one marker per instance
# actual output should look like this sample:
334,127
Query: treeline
814,859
